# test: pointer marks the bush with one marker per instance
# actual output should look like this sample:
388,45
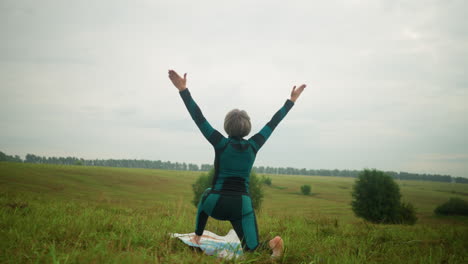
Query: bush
376,198
205,181
256,191
305,189
406,214
266,180
454,206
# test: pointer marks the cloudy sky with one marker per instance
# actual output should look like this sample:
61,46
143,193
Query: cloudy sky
387,84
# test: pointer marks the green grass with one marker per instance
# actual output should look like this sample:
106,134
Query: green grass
76,214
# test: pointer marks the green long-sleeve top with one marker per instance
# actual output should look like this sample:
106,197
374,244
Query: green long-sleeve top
234,156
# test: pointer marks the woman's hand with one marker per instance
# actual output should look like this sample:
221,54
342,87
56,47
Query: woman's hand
296,92
179,82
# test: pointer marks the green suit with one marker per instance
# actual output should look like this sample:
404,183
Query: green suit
228,198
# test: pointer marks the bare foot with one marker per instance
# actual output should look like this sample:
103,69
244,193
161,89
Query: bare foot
196,239
276,245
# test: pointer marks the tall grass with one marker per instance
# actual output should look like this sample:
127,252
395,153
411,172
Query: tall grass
74,214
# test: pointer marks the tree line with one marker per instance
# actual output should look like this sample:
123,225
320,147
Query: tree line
355,173
167,165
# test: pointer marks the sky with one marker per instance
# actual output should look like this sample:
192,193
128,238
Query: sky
386,80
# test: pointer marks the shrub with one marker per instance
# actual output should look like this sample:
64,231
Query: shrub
266,180
406,214
256,191
305,189
376,198
454,206
205,181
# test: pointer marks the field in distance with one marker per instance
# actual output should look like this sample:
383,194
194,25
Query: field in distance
79,214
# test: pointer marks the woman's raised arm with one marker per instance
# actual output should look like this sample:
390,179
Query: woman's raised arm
212,135
261,137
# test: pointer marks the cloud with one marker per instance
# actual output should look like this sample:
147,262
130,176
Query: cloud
385,79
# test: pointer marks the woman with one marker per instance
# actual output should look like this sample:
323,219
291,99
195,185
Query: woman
228,198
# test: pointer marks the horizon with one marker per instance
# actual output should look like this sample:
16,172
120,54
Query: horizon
385,81
211,164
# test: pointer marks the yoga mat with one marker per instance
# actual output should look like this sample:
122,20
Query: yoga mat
227,246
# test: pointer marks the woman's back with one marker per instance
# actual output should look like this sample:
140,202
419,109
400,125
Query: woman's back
233,164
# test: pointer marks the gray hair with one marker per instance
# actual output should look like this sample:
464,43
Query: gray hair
237,123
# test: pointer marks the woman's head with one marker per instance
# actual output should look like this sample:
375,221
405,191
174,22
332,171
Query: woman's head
237,123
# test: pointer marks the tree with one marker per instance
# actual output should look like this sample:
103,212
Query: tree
305,189
205,181
376,198
461,180
5,157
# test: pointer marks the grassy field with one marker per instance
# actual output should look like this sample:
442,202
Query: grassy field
76,214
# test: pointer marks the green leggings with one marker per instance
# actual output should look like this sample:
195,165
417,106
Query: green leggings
236,208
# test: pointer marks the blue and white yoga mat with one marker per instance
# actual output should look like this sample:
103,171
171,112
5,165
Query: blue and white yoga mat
227,246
